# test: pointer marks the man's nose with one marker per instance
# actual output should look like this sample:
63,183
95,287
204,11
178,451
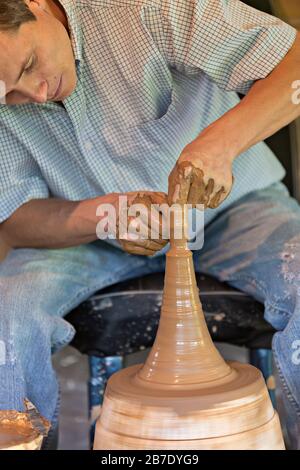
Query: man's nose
37,93
42,93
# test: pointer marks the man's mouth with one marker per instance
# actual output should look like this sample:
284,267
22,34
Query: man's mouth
58,90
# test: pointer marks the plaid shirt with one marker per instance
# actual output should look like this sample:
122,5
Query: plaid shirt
152,74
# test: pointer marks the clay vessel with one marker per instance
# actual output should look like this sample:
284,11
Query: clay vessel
186,396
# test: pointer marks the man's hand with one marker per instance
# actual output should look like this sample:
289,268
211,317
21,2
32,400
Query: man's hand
147,238
199,178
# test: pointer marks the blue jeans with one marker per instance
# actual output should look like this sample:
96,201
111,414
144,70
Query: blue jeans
254,245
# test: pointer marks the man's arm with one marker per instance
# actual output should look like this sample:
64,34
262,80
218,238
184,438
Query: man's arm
267,108
203,173
240,49
56,223
53,223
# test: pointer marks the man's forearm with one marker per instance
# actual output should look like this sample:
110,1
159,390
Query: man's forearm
52,223
267,108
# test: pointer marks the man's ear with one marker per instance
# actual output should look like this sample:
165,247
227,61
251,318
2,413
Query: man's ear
32,4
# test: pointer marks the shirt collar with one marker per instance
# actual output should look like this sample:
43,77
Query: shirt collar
74,27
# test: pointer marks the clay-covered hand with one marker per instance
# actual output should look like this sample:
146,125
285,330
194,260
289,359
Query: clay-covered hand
143,234
198,178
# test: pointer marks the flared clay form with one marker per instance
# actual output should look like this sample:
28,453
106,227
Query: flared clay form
186,396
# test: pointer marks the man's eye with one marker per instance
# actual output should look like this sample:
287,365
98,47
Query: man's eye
30,65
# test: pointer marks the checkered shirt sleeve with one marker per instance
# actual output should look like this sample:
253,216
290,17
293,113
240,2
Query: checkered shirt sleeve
234,44
20,176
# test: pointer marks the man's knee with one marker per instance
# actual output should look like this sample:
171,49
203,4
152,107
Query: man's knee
30,304
282,285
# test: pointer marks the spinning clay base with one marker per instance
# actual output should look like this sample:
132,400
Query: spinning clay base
236,414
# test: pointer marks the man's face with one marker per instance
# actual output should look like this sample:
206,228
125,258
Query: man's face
37,62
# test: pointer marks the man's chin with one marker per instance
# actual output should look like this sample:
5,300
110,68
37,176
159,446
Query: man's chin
64,95
68,92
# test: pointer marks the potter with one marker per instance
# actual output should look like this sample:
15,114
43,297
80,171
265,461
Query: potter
115,97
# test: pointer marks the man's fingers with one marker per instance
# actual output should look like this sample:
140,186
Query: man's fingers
220,196
136,250
152,219
197,188
185,178
145,222
153,245
179,183
150,215
216,199
159,198
209,190
147,225
146,247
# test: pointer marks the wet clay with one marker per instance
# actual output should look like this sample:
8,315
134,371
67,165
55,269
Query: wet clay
18,433
187,185
148,246
186,396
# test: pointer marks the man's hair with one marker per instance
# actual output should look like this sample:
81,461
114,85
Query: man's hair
13,13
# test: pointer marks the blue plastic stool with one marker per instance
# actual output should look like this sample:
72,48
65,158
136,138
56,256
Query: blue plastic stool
100,371
263,360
